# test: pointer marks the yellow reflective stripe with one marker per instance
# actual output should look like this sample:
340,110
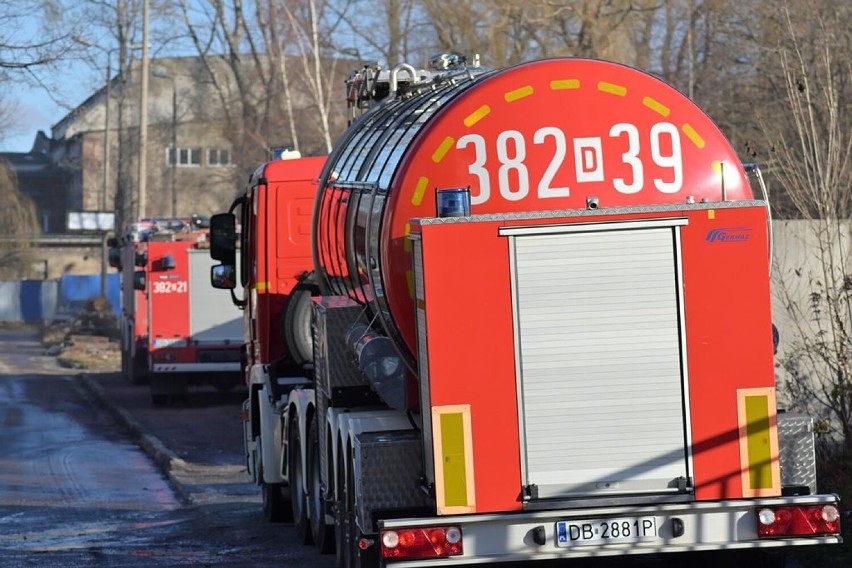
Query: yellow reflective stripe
564,84
406,244
612,88
477,115
445,146
693,135
757,434
452,459
262,285
409,279
656,106
453,451
419,191
758,442
518,94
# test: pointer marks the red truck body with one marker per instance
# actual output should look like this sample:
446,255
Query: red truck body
178,330
540,330
276,229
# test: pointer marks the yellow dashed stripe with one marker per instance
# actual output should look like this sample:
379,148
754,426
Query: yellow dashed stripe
409,279
419,191
407,242
612,88
517,94
693,135
442,150
656,106
477,115
564,84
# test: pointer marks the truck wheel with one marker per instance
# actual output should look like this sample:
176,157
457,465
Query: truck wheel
298,501
341,515
321,533
357,557
296,323
137,368
276,509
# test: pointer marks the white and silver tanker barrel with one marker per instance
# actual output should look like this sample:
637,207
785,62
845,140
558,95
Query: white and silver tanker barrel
379,361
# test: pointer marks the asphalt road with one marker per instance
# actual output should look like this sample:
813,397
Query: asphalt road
91,474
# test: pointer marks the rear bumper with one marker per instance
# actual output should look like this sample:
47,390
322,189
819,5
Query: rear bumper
196,367
532,536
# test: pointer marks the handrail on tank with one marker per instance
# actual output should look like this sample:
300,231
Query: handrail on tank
755,169
394,73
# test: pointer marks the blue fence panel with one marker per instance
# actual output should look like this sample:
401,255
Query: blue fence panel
75,289
31,308
39,300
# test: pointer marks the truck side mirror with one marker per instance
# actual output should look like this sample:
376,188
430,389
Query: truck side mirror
114,257
223,276
139,280
223,238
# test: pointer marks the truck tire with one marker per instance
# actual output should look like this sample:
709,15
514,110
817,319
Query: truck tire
342,534
298,500
321,533
296,322
135,369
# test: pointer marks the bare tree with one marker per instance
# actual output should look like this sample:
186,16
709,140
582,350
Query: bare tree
24,47
18,225
812,159
34,39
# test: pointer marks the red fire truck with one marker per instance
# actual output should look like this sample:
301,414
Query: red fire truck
541,330
176,329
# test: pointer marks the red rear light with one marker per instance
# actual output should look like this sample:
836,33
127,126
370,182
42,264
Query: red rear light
428,542
163,356
808,520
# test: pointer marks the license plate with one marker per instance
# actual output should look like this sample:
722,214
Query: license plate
162,343
605,531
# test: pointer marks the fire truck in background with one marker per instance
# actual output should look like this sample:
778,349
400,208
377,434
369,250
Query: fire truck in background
540,324
177,330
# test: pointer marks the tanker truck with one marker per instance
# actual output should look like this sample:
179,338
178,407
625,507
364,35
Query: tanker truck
538,311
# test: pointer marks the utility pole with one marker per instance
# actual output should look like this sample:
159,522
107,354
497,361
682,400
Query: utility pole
143,115
174,146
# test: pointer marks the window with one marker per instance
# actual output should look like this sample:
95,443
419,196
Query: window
218,157
185,157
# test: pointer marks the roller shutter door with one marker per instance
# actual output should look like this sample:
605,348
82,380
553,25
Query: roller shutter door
601,369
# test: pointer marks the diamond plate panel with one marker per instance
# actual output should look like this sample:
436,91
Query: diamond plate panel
387,474
797,452
334,367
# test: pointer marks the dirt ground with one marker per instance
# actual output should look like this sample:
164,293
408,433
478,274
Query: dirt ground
89,341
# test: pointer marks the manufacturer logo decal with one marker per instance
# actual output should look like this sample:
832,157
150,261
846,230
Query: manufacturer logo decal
729,235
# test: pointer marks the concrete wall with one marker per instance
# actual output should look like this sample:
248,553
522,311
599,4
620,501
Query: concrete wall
808,255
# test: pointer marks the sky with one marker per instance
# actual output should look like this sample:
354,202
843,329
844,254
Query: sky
39,97
35,110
